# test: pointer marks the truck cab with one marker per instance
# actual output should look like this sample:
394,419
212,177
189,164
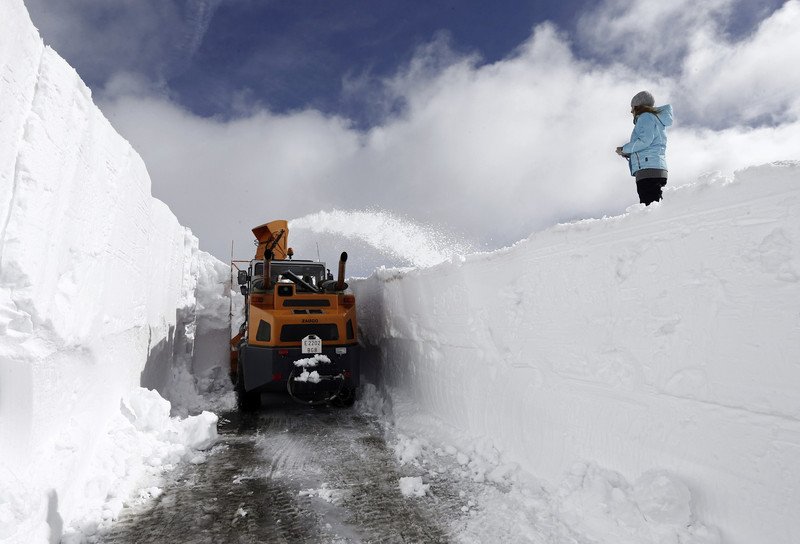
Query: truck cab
300,333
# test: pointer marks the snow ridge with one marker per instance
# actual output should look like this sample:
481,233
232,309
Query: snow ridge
666,339
100,287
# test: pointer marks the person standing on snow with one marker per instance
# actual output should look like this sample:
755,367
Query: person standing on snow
648,146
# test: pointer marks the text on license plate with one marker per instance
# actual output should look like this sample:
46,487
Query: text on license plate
312,344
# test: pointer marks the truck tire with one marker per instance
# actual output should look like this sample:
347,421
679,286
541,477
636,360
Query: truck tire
246,401
345,398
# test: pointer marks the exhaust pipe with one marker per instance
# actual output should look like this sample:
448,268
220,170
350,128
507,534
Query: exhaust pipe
268,269
340,284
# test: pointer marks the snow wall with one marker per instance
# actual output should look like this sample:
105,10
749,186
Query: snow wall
664,339
101,291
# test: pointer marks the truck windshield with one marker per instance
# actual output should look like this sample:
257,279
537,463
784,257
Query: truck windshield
311,274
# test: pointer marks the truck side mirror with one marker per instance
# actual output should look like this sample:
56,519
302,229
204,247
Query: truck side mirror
243,289
242,278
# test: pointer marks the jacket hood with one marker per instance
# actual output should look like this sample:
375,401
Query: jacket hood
666,115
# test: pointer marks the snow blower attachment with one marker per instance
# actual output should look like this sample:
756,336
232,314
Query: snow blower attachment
300,332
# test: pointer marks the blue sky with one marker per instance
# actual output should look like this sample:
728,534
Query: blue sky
295,54
488,120
218,57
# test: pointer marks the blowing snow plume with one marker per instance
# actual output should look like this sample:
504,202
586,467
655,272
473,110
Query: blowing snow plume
382,238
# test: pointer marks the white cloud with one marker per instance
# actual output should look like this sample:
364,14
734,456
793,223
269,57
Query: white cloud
152,37
493,151
753,80
722,83
212,172
650,35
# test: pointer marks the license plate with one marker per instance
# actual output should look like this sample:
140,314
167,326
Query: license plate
312,344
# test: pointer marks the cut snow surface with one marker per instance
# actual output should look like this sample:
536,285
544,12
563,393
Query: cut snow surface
662,345
101,291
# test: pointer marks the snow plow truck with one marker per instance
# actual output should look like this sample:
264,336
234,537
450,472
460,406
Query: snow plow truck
300,334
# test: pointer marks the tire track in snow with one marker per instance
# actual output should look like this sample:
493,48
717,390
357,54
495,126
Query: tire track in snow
291,474
225,499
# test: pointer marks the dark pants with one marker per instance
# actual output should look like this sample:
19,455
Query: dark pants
649,189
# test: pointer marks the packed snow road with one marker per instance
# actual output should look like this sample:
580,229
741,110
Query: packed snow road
293,474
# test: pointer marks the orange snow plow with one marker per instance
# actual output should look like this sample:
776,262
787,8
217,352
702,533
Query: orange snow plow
300,334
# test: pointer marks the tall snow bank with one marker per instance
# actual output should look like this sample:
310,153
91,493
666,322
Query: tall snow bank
101,291
666,340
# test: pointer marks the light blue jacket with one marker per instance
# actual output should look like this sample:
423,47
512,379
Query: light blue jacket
648,145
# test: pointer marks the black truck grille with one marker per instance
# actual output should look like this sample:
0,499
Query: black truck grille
305,302
295,333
